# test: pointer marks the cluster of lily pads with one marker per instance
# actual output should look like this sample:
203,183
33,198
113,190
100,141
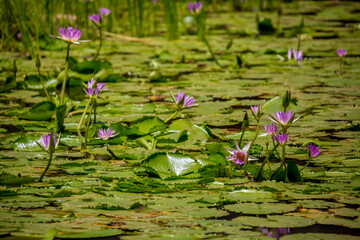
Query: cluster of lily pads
239,157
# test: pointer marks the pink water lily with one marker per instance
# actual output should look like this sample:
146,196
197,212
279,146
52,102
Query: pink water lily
271,129
313,150
239,155
98,18
70,35
46,141
285,119
256,111
106,134
341,52
91,89
195,7
183,101
298,55
282,138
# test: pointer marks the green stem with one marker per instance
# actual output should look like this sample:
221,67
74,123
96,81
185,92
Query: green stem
84,113
173,115
252,143
276,152
87,129
266,160
100,44
242,135
210,49
94,107
42,83
65,75
282,163
305,165
47,168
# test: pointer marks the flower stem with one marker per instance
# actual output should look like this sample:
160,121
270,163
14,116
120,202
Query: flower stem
252,143
242,135
42,83
210,49
173,115
84,113
87,129
100,44
65,75
305,165
94,104
266,160
47,168
282,163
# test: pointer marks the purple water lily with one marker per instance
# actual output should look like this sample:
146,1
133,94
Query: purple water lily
91,90
341,52
298,55
95,18
105,134
184,101
271,129
313,150
285,119
282,138
256,111
98,18
239,155
46,141
69,35
195,7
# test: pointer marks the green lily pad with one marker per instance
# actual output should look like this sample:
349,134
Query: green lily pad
261,208
40,112
170,164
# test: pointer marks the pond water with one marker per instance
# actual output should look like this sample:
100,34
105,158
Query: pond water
91,194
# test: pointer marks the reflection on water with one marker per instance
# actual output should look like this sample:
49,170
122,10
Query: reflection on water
275,232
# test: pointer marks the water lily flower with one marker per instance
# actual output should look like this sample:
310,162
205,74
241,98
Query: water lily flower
282,138
98,18
46,141
285,119
183,101
195,7
91,90
313,150
70,35
271,129
256,111
106,134
239,155
341,52
298,55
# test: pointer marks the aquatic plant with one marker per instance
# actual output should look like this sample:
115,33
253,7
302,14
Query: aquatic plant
239,156
313,151
93,93
183,101
98,19
256,111
341,53
284,119
70,36
105,134
49,144
298,55
271,129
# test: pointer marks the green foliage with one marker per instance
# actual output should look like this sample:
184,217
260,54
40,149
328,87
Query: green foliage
40,112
